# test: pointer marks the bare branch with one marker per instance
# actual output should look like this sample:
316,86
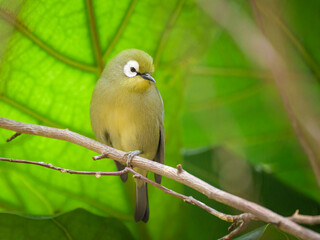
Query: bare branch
259,212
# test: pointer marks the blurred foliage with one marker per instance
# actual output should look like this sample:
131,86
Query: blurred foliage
221,109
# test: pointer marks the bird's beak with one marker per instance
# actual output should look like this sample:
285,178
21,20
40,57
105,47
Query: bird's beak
148,77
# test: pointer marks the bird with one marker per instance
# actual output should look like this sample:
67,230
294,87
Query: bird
127,113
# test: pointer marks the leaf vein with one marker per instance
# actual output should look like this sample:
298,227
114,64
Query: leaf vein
34,114
120,30
167,30
94,36
60,226
11,19
295,41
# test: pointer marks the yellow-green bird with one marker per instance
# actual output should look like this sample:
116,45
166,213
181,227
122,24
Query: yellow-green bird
127,114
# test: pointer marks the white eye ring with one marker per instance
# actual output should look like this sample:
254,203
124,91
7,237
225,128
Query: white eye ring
131,68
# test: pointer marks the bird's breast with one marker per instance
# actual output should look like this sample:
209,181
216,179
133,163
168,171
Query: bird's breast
132,121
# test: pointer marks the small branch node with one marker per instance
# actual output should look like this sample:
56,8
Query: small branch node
101,156
278,223
13,137
230,219
188,200
296,213
179,168
98,175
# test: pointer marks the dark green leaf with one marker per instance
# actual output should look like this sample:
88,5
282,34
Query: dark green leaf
254,235
266,232
77,224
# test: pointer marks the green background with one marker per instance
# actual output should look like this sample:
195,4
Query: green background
224,117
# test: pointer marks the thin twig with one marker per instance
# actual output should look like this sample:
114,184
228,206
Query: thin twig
261,213
305,219
238,225
99,157
64,170
13,136
187,199
235,219
239,222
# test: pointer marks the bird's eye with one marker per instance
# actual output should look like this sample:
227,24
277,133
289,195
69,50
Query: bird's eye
131,68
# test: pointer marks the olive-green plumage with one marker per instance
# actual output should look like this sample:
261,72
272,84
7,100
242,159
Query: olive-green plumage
127,114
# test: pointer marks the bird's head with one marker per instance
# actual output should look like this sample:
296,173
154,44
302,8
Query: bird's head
132,69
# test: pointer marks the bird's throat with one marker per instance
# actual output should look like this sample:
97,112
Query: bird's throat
142,85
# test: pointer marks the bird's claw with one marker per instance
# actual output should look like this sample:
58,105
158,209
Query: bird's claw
130,155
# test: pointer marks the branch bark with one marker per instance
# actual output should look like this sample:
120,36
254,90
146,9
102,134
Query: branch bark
181,176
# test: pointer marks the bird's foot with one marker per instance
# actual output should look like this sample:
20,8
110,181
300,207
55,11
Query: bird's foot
130,155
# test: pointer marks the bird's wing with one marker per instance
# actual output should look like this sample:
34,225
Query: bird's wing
160,153
119,166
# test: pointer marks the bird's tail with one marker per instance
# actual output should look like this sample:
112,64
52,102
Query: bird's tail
142,203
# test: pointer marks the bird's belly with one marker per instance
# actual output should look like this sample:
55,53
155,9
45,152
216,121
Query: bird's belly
132,129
